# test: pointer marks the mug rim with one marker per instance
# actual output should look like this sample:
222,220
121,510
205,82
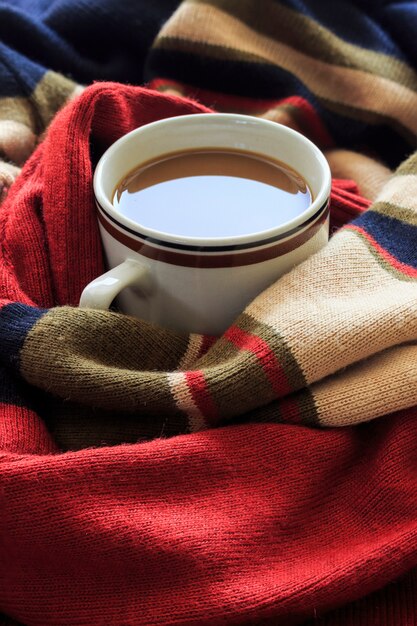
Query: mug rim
289,228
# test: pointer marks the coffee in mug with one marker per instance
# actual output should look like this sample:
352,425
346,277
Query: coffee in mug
212,193
199,213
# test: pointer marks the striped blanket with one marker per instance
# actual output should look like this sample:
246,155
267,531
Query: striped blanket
267,476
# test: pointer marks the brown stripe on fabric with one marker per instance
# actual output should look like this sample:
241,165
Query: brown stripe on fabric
192,351
238,385
234,378
277,344
76,427
207,26
399,213
267,414
103,359
307,407
220,353
305,34
408,167
50,94
237,379
212,259
298,409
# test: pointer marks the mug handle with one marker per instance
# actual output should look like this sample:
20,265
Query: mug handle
100,293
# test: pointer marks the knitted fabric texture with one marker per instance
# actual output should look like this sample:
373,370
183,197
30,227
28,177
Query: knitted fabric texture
267,476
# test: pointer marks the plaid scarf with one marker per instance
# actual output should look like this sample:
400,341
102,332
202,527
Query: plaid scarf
149,477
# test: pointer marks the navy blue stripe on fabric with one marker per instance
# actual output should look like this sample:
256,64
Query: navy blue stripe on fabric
396,237
19,76
241,78
14,390
85,40
358,22
10,391
399,19
16,320
265,81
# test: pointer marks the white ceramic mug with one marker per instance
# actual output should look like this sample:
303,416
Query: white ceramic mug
194,284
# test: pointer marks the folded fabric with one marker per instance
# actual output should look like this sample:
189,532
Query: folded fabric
267,476
268,520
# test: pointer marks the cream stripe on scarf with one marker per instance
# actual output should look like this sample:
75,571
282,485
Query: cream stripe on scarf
19,110
17,141
364,391
206,26
329,321
184,400
305,34
401,190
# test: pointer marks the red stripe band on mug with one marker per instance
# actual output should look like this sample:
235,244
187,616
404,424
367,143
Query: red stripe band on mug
211,256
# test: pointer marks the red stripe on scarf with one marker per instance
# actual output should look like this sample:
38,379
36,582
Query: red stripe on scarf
311,119
201,395
253,106
267,360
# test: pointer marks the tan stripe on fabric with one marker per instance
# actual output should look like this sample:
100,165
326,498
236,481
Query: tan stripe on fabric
17,141
191,354
308,36
402,191
9,170
19,110
185,403
380,385
338,307
368,174
102,359
207,26
36,111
